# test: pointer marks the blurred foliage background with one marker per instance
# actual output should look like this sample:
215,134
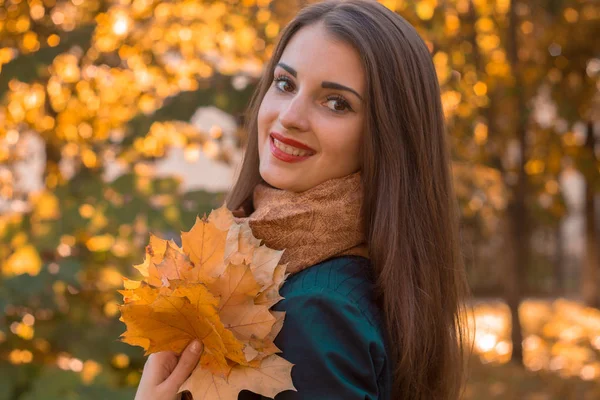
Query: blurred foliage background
112,87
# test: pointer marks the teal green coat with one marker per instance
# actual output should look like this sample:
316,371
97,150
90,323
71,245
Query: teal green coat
333,333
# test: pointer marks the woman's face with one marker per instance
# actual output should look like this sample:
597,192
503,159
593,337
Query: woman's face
310,122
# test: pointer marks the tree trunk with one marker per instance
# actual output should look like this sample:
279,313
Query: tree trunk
559,275
589,273
515,272
517,211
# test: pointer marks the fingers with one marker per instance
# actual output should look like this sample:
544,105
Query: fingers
159,366
187,362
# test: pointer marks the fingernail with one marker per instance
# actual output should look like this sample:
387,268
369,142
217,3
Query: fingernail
195,347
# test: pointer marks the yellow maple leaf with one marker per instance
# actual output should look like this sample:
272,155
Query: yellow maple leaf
217,288
240,244
204,244
264,263
270,295
171,321
270,378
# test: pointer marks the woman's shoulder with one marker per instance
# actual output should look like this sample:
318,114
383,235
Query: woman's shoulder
345,280
332,334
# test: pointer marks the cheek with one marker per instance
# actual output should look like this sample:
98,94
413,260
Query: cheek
342,143
267,113
268,107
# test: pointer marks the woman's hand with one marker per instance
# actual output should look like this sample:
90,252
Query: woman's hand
164,373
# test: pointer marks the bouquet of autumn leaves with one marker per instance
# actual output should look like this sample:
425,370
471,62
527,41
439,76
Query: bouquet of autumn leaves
217,288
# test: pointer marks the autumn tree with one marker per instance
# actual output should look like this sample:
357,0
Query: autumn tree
574,75
104,82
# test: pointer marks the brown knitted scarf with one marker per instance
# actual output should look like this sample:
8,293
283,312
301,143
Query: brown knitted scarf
312,226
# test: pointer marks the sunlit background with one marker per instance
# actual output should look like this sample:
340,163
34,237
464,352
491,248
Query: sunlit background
119,118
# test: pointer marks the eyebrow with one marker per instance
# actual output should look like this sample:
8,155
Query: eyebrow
324,84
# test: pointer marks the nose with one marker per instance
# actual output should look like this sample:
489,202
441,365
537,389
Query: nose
294,114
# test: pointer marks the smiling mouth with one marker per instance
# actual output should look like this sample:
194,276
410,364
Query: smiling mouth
291,150
287,153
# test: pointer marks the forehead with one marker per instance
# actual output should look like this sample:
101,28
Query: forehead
316,55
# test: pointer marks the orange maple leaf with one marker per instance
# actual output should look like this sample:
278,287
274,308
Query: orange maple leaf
217,288
270,378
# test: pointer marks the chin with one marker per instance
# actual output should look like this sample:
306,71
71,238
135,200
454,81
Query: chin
280,182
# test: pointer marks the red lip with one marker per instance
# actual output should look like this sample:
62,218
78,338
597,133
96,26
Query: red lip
291,142
284,156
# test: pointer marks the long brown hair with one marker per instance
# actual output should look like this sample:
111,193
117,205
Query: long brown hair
409,210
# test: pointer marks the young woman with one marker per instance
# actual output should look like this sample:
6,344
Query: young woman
347,168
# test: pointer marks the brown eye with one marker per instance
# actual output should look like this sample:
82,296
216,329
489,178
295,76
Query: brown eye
340,105
281,82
